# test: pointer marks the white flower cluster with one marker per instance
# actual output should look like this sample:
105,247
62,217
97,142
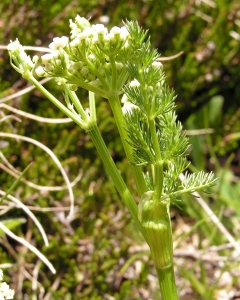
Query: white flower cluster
98,35
5,291
22,61
56,61
86,55
81,29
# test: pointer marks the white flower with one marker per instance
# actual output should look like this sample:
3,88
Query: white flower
16,49
78,26
100,29
21,61
114,34
134,83
1,275
14,46
128,107
124,99
59,43
117,33
87,32
81,22
115,30
124,33
157,64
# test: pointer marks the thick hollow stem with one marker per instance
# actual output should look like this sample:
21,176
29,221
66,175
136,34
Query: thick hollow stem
157,225
167,283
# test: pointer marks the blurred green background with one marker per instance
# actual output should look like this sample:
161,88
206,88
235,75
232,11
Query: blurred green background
100,255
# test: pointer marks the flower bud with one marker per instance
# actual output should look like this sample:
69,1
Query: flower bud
81,22
40,71
96,83
84,71
119,65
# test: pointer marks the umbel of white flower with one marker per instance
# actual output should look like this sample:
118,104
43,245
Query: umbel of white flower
5,291
91,56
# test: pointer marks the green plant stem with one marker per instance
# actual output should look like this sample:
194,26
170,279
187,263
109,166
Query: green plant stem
103,152
158,165
121,124
56,102
167,283
12,187
114,174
